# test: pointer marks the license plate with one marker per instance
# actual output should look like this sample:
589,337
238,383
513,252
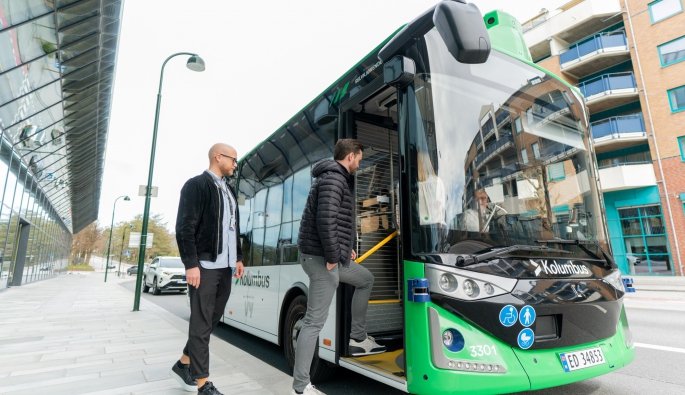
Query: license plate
582,359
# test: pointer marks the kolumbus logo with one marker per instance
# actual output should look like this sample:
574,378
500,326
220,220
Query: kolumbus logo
556,268
254,280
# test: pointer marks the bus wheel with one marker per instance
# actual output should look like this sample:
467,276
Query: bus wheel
320,370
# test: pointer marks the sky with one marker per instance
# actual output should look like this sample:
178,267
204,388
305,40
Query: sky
264,60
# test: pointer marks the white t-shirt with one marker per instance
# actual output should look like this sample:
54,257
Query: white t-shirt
227,258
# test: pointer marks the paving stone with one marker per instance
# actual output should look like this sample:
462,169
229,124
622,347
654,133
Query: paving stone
96,345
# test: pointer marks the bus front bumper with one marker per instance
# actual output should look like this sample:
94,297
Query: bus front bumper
487,365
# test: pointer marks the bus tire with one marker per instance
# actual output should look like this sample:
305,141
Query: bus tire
320,370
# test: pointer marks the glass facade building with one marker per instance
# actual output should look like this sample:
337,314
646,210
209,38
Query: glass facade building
57,64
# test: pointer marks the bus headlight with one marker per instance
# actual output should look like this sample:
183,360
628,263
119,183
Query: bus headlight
448,282
615,280
465,284
453,340
447,338
471,288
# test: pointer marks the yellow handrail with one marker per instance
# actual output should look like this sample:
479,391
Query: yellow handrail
376,247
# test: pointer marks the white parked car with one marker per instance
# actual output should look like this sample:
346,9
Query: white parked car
164,274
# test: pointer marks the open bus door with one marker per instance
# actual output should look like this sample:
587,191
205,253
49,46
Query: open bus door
371,118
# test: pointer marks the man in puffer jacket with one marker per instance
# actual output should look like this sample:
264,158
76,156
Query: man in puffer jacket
325,244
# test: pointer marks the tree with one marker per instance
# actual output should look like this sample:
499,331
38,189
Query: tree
85,242
163,242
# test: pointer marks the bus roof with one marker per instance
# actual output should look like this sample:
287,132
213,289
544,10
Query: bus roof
500,43
331,86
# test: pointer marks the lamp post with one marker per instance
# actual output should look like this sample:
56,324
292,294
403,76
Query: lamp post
111,230
194,63
122,247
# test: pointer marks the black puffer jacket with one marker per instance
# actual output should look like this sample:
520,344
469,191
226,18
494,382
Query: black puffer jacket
327,227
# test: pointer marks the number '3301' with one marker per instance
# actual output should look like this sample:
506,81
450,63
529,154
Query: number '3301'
480,350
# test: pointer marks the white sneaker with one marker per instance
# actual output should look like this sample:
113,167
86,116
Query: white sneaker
309,390
366,347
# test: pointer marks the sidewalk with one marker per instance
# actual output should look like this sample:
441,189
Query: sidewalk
658,283
75,334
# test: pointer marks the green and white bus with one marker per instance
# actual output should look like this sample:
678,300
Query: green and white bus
477,210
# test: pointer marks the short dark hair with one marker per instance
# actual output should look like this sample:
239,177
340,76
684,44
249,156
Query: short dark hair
346,146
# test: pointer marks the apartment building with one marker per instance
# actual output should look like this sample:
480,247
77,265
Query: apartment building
627,58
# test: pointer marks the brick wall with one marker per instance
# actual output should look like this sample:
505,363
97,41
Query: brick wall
667,126
675,178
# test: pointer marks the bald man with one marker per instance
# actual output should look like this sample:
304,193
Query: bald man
207,236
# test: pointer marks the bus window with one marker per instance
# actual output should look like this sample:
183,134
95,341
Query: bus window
274,205
301,184
287,214
271,246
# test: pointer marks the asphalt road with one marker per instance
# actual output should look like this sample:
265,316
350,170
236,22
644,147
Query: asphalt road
657,319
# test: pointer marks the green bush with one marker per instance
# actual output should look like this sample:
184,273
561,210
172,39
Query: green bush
86,268
47,46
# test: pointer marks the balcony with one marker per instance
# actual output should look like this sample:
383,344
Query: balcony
626,129
609,90
595,53
627,176
505,142
570,23
501,173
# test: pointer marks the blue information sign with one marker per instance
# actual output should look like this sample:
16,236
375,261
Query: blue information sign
508,315
526,338
527,316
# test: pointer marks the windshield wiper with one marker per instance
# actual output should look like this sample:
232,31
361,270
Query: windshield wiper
467,260
608,259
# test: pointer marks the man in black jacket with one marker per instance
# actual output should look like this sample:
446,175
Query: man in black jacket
207,234
325,243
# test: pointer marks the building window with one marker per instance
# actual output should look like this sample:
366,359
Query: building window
556,172
644,235
672,52
536,151
519,127
676,97
662,9
681,144
524,156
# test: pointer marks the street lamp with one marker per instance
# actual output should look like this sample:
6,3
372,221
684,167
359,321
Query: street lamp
194,63
122,247
111,229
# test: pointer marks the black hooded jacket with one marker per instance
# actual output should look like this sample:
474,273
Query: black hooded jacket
327,226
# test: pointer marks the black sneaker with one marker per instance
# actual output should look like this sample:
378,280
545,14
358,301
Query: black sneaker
209,389
181,373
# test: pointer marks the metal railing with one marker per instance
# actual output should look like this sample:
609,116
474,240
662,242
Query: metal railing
607,83
504,140
617,127
533,23
596,43
643,162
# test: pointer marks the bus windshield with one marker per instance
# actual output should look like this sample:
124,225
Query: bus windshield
499,155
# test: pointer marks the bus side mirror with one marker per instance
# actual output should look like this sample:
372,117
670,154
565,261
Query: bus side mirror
399,71
462,29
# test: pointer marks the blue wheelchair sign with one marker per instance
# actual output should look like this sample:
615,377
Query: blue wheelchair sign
508,315
525,338
527,316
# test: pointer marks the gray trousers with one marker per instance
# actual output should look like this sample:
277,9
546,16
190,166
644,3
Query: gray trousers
322,285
